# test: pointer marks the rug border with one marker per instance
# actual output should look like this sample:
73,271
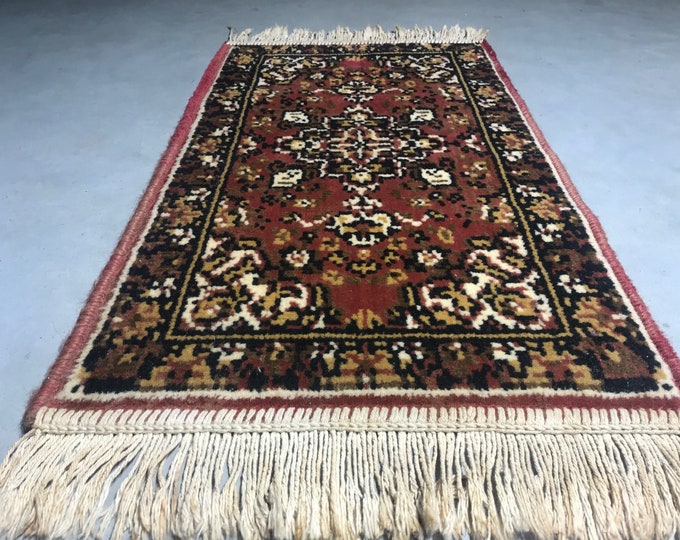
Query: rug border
661,342
88,320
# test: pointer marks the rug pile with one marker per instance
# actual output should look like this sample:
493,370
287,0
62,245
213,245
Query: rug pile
360,297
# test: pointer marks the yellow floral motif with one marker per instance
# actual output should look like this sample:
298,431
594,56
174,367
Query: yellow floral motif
397,244
469,56
386,376
361,363
201,377
460,300
185,212
513,142
208,145
248,144
246,172
176,367
284,318
613,356
537,376
545,209
336,258
591,312
477,170
390,257
487,92
364,254
231,93
395,277
304,203
496,211
282,237
445,235
550,355
364,267
261,94
262,122
136,324
159,378
333,277
207,308
187,356
225,219
329,244
366,319
445,317
520,306
244,59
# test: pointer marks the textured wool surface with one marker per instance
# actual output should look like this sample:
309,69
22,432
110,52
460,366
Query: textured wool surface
359,297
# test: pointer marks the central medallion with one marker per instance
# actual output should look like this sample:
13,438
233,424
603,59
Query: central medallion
360,148
361,198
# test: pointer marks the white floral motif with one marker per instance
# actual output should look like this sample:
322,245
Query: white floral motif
287,178
436,177
298,258
421,115
572,286
429,258
157,290
549,231
296,117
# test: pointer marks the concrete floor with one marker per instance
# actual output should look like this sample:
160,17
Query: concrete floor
90,93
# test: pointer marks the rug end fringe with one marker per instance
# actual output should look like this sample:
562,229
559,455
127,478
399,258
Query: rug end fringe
341,484
280,35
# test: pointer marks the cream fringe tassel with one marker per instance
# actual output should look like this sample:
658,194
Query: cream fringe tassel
342,473
279,35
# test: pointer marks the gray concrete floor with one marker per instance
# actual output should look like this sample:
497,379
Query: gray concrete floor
90,93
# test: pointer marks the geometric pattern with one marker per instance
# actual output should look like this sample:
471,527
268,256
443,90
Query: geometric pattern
366,220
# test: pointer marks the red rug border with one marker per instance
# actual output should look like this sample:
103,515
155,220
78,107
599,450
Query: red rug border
105,286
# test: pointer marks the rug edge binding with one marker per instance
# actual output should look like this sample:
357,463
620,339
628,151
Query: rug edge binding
407,418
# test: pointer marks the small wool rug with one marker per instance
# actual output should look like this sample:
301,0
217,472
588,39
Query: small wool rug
360,298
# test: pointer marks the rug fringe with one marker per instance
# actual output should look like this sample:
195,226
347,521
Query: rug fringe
280,35
335,483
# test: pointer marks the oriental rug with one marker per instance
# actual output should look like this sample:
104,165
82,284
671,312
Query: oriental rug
360,298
